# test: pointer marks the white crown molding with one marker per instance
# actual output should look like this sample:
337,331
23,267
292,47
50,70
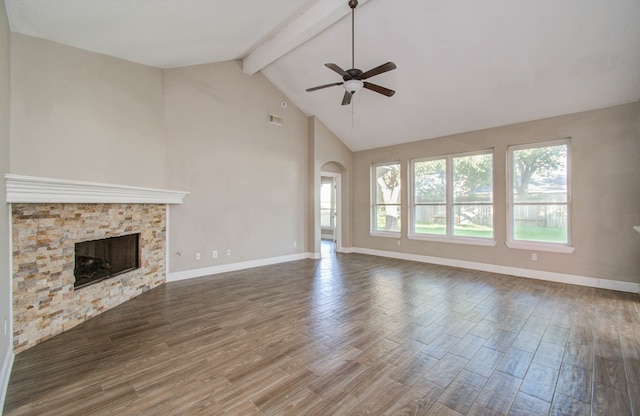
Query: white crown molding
32,189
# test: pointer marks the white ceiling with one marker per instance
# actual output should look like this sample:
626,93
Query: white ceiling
462,65
160,33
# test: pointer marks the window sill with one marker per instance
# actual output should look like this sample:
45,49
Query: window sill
386,234
549,247
454,240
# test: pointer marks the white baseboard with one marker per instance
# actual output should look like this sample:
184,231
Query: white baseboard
513,271
232,267
485,267
7,365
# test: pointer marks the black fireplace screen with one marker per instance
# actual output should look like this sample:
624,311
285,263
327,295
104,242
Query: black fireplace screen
98,260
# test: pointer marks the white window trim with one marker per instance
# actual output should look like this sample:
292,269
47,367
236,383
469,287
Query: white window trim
566,248
474,241
373,202
385,234
539,246
449,237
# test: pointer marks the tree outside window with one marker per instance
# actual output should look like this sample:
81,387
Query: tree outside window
473,195
453,196
386,206
540,193
430,194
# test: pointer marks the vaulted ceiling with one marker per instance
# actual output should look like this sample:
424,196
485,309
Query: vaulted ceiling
462,65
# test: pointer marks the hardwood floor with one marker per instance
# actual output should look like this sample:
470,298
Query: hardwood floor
350,334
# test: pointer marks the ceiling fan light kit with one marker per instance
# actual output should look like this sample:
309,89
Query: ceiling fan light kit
353,79
353,85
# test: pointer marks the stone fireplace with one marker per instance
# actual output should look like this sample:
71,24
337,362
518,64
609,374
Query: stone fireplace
46,298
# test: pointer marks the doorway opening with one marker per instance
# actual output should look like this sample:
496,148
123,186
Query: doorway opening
329,213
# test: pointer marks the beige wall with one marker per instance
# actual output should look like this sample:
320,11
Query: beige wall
5,276
84,116
325,147
247,178
605,146
254,186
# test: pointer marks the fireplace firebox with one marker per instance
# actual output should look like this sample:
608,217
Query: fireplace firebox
98,260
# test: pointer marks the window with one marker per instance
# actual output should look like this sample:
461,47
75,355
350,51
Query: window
385,204
539,196
430,195
452,198
326,203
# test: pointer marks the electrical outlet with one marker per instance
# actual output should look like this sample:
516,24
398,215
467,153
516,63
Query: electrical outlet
228,252
398,242
295,244
534,257
198,256
214,254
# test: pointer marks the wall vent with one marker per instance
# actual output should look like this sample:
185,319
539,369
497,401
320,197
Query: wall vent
273,119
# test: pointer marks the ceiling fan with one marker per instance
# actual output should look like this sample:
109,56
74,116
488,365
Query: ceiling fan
354,78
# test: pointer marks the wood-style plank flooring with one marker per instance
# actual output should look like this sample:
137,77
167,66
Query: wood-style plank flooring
350,334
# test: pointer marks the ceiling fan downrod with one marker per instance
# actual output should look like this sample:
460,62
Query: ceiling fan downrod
353,4
353,79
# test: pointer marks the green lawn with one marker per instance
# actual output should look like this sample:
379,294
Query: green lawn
459,230
548,235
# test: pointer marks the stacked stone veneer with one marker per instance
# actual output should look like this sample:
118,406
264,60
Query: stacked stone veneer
44,300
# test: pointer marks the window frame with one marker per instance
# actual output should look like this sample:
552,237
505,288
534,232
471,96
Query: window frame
538,245
450,205
373,211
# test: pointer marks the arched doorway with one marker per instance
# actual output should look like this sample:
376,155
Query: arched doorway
329,212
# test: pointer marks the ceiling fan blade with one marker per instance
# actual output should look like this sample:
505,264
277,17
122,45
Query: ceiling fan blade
339,70
378,89
378,70
346,100
319,87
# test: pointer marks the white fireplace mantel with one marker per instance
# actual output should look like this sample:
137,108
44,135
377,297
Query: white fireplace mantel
32,189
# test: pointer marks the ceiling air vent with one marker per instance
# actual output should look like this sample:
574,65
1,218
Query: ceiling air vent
273,119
